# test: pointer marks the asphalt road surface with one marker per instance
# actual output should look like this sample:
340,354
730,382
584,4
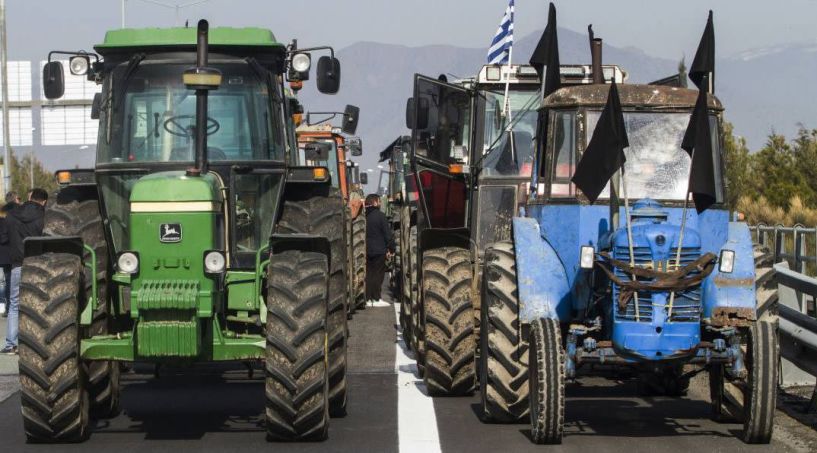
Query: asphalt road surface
220,409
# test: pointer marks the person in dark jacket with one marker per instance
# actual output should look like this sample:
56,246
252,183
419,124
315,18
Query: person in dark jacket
379,244
12,200
23,222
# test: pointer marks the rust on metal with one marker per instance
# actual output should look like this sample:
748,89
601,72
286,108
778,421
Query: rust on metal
722,282
732,317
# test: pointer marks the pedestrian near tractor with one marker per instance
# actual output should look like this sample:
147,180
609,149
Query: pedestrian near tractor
12,200
23,221
379,245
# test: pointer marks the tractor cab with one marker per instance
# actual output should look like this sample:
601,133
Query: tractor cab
655,181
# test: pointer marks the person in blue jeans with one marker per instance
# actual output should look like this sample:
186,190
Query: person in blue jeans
23,222
12,200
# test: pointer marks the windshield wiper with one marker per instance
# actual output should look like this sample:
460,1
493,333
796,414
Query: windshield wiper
129,70
508,129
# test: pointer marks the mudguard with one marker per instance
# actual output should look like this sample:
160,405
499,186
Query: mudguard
541,277
732,295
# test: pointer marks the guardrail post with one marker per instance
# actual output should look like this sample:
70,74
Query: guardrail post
778,244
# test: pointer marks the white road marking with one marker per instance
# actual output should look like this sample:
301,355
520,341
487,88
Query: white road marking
416,421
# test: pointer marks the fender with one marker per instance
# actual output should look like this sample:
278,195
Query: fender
301,242
541,277
729,298
433,238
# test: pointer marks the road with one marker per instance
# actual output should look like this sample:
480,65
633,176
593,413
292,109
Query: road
218,409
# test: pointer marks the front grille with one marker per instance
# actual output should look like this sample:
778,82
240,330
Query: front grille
687,304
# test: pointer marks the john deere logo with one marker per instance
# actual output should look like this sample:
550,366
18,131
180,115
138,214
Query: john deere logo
170,232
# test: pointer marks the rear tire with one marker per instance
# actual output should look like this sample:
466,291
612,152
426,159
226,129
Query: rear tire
504,354
323,215
67,216
417,328
449,322
359,258
296,384
547,382
55,403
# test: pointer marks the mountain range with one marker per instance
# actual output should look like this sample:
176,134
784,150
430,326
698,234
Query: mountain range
764,90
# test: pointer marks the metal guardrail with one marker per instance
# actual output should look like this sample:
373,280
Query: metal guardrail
797,329
796,245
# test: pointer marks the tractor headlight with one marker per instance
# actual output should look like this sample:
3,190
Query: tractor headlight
726,263
78,65
301,62
587,256
128,262
214,262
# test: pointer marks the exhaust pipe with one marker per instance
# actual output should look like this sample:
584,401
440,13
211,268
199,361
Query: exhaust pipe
595,56
202,79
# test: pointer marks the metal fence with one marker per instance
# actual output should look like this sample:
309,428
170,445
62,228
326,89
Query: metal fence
797,329
796,245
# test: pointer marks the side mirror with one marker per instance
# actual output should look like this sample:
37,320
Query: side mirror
96,106
317,151
328,75
355,146
364,178
350,116
417,113
53,80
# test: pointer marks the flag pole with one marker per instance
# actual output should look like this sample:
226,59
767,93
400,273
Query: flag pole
709,86
507,104
629,236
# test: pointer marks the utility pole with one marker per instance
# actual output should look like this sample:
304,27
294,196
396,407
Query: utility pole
5,92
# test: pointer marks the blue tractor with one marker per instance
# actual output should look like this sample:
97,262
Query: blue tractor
665,297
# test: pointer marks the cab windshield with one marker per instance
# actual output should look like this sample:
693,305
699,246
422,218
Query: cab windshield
154,116
331,161
500,158
657,167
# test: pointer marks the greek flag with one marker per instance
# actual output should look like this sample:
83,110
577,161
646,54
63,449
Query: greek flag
500,50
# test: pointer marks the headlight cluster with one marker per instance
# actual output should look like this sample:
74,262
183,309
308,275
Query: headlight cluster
214,262
726,263
128,262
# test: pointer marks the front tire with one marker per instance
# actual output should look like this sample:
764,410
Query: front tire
359,259
449,322
547,382
55,403
504,353
752,399
323,215
296,383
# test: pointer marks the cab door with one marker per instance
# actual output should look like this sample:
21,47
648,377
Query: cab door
439,116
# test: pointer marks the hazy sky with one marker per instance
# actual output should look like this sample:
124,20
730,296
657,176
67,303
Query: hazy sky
659,27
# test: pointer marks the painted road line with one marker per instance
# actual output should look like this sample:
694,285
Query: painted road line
416,420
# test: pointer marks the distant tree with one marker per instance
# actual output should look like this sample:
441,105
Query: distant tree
736,161
21,170
774,173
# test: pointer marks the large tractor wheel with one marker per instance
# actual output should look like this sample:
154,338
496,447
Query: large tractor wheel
359,259
547,382
68,216
504,353
323,216
449,322
296,384
752,399
55,402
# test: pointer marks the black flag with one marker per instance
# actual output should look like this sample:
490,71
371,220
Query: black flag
698,138
605,153
704,62
546,55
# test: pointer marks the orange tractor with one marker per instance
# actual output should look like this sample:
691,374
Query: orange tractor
324,145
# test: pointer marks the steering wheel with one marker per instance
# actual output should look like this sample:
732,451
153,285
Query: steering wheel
174,127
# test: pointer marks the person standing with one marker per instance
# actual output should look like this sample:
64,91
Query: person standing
23,221
12,200
379,244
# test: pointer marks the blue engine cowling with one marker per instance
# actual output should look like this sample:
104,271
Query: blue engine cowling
655,325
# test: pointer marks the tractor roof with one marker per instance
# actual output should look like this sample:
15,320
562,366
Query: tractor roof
650,96
117,40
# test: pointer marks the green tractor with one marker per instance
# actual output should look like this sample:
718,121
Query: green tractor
194,239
